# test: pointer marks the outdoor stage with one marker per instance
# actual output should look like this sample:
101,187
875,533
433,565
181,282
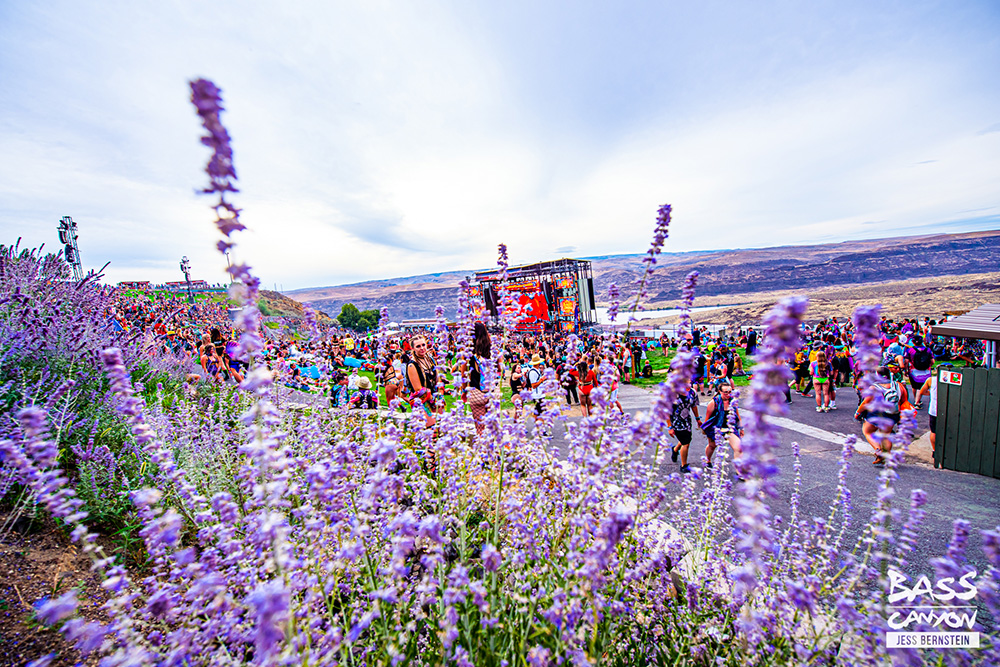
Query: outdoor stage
548,296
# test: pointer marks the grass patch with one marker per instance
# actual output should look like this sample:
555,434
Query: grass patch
661,362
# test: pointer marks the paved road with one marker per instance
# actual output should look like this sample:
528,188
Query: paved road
950,495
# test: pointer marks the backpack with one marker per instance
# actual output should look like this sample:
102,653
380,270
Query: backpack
922,358
717,414
533,380
891,394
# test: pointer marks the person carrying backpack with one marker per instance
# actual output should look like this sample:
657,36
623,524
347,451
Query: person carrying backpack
365,397
718,422
919,358
533,380
568,380
679,422
803,381
878,424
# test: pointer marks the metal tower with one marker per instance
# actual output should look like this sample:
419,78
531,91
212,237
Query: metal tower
71,251
186,269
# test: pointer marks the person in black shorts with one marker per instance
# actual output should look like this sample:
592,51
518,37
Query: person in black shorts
679,422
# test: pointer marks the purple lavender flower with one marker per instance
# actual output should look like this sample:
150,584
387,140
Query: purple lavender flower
270,602
207,99
52,612
491,558
660,233
613,302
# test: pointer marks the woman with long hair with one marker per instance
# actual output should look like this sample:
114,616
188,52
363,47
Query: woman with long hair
480,375
820,370
588,378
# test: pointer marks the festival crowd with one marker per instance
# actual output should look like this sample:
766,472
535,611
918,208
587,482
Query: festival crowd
416,369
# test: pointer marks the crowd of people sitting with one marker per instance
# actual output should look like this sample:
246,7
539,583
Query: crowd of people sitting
417,369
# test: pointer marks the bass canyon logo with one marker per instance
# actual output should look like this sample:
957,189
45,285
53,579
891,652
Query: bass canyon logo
932,615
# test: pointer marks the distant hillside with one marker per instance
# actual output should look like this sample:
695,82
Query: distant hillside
724,273
916,297
275,303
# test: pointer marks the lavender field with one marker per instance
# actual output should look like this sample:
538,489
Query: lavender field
269,532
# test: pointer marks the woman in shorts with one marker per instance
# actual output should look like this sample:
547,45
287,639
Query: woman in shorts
722,420
877,425
820,371
588,378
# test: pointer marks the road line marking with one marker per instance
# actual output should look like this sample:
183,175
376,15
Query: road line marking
860,444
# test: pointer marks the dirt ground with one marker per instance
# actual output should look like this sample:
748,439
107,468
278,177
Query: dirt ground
918,297
37,560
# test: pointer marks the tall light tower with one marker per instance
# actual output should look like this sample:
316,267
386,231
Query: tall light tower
71,251
186,268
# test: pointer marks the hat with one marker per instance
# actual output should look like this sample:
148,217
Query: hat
535,360
364,383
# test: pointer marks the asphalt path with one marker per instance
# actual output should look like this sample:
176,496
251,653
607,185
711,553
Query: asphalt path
950,495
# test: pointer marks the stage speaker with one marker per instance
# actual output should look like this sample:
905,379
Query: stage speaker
491,300
547,290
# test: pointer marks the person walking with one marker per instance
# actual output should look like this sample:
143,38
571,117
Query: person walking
534,378
679,423
929,388
751,348
719,422
820,372
568,379
588,378
877,425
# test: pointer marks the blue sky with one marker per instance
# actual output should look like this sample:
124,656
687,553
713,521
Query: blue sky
375,140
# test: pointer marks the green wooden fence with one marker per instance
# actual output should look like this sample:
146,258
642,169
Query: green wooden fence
968,422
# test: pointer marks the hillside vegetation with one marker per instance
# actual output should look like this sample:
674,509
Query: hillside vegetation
279,305
727,276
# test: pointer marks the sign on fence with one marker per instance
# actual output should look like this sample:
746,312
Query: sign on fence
951,377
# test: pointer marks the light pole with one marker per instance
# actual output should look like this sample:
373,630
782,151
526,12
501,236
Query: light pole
67,236
186,269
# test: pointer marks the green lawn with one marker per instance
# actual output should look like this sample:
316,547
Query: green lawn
659,361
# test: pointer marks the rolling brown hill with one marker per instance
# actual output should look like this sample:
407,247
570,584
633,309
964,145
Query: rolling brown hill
916,297
275,303
727,276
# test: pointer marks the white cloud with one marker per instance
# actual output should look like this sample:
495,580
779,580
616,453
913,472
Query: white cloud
377,140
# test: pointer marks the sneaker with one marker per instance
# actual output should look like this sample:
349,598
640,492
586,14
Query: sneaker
685,469
833,405
709,465
673,454
819,409
879,461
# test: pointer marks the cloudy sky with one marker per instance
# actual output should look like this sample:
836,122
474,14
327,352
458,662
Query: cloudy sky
375,139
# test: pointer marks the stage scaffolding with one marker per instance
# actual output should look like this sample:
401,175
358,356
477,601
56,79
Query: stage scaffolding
554,296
